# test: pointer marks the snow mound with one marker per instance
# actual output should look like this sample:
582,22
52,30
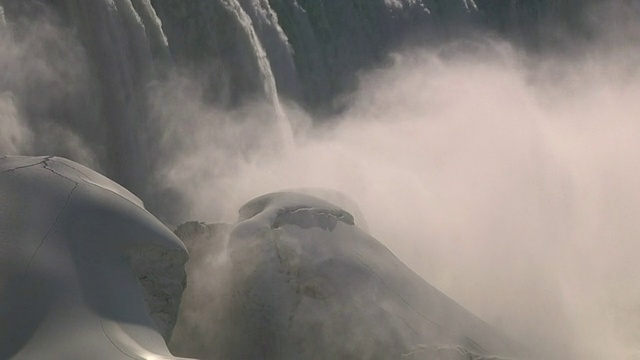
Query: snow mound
85,271
302,281
296,209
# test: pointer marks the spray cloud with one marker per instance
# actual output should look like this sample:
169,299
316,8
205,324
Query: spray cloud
505,181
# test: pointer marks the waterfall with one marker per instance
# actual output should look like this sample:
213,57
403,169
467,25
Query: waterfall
120,52
485,140
3,21
275,43
268,80
89,99
218,39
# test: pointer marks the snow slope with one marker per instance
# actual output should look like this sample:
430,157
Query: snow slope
302,281
85,271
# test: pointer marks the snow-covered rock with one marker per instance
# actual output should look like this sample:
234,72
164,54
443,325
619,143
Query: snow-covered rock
296,278
85,271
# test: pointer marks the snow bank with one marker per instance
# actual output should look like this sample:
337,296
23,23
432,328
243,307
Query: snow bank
85,271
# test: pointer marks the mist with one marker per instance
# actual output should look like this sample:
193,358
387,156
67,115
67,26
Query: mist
47,104
505,179
506,182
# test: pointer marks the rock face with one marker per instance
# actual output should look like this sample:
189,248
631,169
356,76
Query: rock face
85,271
295,278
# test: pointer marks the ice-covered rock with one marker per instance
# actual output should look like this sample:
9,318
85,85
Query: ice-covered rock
296,278
85,271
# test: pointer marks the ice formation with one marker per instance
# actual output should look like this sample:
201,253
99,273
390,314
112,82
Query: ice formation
85,271
296,278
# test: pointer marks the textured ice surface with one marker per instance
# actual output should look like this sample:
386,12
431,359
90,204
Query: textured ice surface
85,271
296,278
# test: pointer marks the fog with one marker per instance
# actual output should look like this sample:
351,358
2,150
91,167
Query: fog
505,182
505,179
47,104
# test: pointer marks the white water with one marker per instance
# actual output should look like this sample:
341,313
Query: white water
114,53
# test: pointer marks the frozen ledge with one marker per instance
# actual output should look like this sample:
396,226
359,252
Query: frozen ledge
288,208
